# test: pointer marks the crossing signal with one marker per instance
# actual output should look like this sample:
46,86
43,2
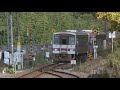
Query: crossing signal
95,31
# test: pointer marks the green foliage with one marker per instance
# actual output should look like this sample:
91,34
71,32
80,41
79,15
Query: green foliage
9,70
113,18
41,24
117,57
113,64
40,60
114,58
105,74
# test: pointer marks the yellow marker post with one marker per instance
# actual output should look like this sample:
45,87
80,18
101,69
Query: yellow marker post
18,44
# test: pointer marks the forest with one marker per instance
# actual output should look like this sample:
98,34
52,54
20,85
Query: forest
43,24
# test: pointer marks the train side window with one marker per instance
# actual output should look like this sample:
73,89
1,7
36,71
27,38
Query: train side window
71,40
56,39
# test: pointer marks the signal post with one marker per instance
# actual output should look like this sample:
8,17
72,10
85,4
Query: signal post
93,39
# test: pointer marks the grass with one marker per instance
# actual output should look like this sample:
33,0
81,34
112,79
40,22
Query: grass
113,63
39,61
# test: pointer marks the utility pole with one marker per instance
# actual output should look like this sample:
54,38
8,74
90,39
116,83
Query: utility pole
112,44
104,41
17,28
12,52
19,54
7,28
105,25
17,20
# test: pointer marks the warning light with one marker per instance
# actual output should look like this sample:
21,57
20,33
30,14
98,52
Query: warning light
95,31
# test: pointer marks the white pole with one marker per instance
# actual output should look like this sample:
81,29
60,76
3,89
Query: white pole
104,44
94,52
94,48
112,44
22,59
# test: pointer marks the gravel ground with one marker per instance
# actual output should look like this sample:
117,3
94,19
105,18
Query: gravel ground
83,71
80,74
16,75
45,75
90,66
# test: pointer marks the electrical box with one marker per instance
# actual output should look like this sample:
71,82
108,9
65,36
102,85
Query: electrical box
47,54
6,57
73,61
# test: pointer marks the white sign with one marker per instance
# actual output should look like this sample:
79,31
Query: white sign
93,39
47,54
95,46
95,51
18,57
112,35
73,61
33,58
6,57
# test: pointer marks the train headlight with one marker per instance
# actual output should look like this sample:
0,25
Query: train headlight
55,49
71,49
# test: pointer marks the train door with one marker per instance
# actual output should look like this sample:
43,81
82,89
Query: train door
82,47
64,43
83,43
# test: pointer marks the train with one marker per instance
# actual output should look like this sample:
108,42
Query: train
76,44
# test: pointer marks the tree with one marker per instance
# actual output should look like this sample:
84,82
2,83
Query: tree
43,23
112,17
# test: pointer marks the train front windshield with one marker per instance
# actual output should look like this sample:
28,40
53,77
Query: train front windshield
64,39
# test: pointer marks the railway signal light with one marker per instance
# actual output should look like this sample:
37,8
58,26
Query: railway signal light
95,31
18,44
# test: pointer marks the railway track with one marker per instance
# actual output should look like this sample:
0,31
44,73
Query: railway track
63,74
39,71
49,69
